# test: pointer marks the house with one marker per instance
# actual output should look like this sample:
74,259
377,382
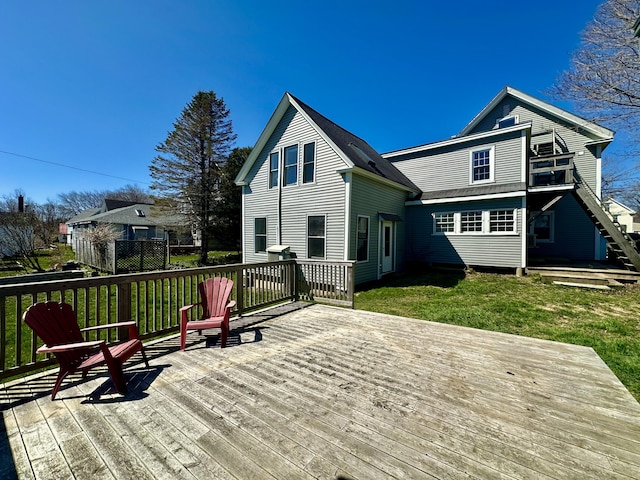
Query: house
133,221
620,213
520,183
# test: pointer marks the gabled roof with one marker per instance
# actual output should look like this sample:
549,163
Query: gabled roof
139,214
84,215
601,132
355,152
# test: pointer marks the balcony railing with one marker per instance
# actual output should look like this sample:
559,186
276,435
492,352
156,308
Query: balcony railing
154,299
551,170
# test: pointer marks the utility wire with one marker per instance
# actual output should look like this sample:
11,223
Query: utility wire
73,168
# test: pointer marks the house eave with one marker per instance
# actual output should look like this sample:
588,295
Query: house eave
588,126
377,178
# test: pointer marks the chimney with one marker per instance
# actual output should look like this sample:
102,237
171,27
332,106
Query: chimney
20,204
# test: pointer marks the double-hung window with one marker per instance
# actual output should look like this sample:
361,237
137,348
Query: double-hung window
482,165
444,222
502,221
316,236
309,163
260,234
471,221
362,254
290,165
543,227
273,169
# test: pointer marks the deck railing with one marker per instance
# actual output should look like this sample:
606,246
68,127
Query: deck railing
153,300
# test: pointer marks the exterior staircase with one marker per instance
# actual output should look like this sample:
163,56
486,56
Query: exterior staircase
619,243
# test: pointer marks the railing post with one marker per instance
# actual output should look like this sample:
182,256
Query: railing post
124,308
351,278
240,290
294,276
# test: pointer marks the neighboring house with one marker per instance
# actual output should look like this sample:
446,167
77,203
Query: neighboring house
621,214
520,182
133,221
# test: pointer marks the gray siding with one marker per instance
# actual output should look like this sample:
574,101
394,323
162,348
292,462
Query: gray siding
489,250
543,122
369,198
449,168
326,196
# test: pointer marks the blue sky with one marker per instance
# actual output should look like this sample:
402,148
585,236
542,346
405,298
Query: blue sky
96,85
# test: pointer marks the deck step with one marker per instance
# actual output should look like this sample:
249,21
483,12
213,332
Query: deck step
582,285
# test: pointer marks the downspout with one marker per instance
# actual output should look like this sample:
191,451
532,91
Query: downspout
279,212
600,243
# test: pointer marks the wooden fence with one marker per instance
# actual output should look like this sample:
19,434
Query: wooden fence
153,300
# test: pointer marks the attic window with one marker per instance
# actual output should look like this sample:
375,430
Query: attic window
139,212
509,121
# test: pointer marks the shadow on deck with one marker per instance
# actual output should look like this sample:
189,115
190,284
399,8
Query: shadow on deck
325,392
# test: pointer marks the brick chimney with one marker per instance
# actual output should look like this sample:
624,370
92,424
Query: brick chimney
20,204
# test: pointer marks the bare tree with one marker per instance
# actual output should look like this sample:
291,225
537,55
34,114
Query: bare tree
603,80
73,202
603,83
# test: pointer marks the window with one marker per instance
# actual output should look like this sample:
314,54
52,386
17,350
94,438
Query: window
482,165
273,170
542,228
315,236
444,222
507,121
260,235
502,221
290,165
362,254
309,163
139,212
471,221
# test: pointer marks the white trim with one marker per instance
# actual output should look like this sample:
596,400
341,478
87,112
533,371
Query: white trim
347,214
516,120
376,178
315,162
368,237
523,153
492,163
306,235
266,235
458,139
284,165
469,198
243,232
486,223
275,151
598,247
523,228
551,188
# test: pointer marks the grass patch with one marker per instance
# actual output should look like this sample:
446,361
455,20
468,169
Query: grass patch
607,321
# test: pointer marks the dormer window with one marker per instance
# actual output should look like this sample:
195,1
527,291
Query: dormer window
509,121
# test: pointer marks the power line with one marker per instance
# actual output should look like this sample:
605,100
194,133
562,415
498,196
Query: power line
73,168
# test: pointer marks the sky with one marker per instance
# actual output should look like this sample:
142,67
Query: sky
89,89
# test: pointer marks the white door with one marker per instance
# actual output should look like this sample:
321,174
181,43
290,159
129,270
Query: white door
387,247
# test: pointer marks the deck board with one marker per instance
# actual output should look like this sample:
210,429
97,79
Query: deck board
326,392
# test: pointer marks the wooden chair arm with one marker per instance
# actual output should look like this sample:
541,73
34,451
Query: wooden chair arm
231,304
188,307
109,325
69,346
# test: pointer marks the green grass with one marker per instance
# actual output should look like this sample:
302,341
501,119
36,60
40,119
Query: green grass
607,321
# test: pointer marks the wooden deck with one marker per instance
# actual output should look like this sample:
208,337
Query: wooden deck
325,392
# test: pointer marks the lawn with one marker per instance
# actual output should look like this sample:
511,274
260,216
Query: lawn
607,321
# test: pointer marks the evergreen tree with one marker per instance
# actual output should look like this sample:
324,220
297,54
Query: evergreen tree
188,170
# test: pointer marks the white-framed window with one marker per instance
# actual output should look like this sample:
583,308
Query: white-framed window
471,221
290,174
260,234
478,222
502,221
309,162
316,236
543,227
508,121
362,250
444,222
274,162
481,165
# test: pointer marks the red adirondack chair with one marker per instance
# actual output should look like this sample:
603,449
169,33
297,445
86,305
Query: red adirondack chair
56,324
216,309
